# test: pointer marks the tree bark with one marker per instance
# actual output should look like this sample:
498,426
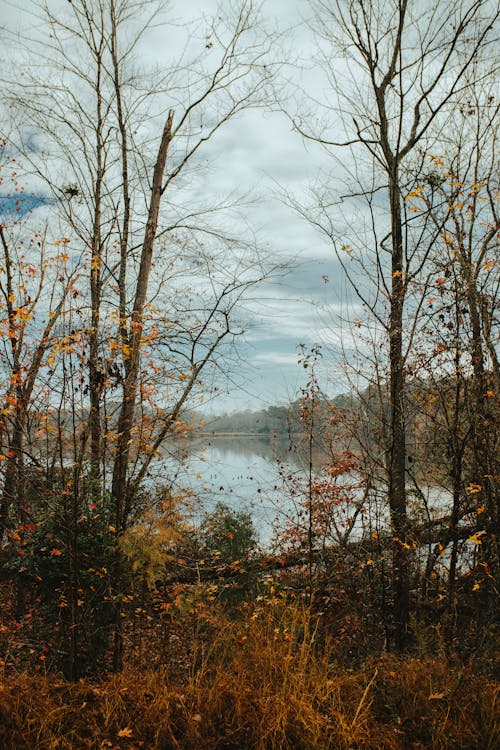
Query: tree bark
397,448
132,357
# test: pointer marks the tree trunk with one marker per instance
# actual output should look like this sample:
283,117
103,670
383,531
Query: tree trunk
397,447
132,356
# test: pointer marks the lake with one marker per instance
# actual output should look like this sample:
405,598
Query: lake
246,473
268,479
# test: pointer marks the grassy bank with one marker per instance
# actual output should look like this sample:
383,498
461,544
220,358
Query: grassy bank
264,682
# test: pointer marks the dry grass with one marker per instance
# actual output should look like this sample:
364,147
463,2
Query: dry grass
262,683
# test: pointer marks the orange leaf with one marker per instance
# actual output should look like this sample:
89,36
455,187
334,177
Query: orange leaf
125,732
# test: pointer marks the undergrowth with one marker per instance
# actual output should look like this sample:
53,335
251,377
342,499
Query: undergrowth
265,681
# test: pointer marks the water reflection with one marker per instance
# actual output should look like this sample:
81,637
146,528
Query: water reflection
258,475
250,446
245,474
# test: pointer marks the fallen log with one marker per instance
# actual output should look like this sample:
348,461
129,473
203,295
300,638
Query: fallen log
437,532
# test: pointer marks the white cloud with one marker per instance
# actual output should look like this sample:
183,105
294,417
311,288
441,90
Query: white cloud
259,152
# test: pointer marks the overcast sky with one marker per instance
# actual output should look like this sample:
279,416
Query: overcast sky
260,151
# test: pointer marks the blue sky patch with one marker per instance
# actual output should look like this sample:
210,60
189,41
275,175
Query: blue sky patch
22,203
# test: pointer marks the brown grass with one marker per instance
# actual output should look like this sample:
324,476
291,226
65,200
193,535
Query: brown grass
262,683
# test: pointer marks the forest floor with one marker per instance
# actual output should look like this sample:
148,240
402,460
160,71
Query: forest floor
263,681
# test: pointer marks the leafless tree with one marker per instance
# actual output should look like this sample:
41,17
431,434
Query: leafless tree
394,72
120,150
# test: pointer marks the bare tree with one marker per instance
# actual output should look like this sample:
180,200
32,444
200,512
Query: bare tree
394,74
123,192
460,315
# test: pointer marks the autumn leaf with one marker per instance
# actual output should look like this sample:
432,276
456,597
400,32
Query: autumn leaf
476,538
437,160
95,263
127,732
473,488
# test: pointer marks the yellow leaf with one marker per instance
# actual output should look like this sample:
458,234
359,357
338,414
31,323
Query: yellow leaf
95,263
402,544
476,538
437,160
125,732
473,488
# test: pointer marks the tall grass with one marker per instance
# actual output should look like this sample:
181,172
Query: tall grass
264,682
